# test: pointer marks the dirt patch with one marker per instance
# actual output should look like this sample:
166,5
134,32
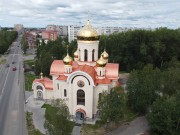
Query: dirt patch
2,60
99,130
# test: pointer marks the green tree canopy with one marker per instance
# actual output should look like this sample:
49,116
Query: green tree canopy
143,87
164,119
6,39
59,124
111,105
53,50
134,49
24,43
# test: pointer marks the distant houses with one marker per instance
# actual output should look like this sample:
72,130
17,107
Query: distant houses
52,32
19,28
31,37
49,35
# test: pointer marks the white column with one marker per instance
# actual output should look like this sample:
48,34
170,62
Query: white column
89,55
96,55
82,55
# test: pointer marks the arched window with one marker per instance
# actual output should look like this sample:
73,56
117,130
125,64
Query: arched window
39,95
93,55
80,97
100,95
39,87
85,55
65,93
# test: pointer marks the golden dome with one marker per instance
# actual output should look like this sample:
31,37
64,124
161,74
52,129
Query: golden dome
76,54
88,33
101,62
105,55
67,60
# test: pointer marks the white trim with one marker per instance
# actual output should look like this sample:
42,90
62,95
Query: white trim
80,73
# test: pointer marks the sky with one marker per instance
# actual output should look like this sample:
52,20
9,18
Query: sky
102,13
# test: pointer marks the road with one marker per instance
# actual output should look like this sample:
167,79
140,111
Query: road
137,127
12,115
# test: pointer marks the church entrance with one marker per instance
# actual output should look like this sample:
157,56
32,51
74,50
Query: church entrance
39,95
80,115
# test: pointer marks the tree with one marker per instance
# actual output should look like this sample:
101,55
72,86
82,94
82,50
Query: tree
171,81
43,63
171,78
143,88
46,53
164,119
111,105
134,49
59,125
24,44
6,39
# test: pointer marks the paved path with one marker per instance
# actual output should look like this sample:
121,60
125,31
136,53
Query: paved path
76,130
137,126
34,106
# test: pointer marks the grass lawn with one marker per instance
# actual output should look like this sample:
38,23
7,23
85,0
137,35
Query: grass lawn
29,78
50,116
30,126
129,115
2,61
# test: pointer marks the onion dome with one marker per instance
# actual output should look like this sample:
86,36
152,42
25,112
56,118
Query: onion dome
67,60
105,55
101,62
76,54
88,33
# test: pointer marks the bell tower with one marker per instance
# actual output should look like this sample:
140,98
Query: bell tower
88,44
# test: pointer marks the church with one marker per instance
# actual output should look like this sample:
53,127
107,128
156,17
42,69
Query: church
80,81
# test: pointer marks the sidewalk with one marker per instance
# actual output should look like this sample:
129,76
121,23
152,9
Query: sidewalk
34,106
136,127
76,130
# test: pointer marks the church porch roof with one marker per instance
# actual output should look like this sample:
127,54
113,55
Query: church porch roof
48,84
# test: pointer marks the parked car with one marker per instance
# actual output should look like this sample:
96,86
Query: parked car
14,69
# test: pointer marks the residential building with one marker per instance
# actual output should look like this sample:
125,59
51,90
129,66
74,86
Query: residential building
49,35
110,30
31,38
62,30
72,32
18,27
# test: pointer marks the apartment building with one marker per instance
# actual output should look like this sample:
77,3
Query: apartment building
72,32
18,27
49,35
61,29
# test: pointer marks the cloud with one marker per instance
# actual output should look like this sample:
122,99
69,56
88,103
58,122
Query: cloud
124,13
